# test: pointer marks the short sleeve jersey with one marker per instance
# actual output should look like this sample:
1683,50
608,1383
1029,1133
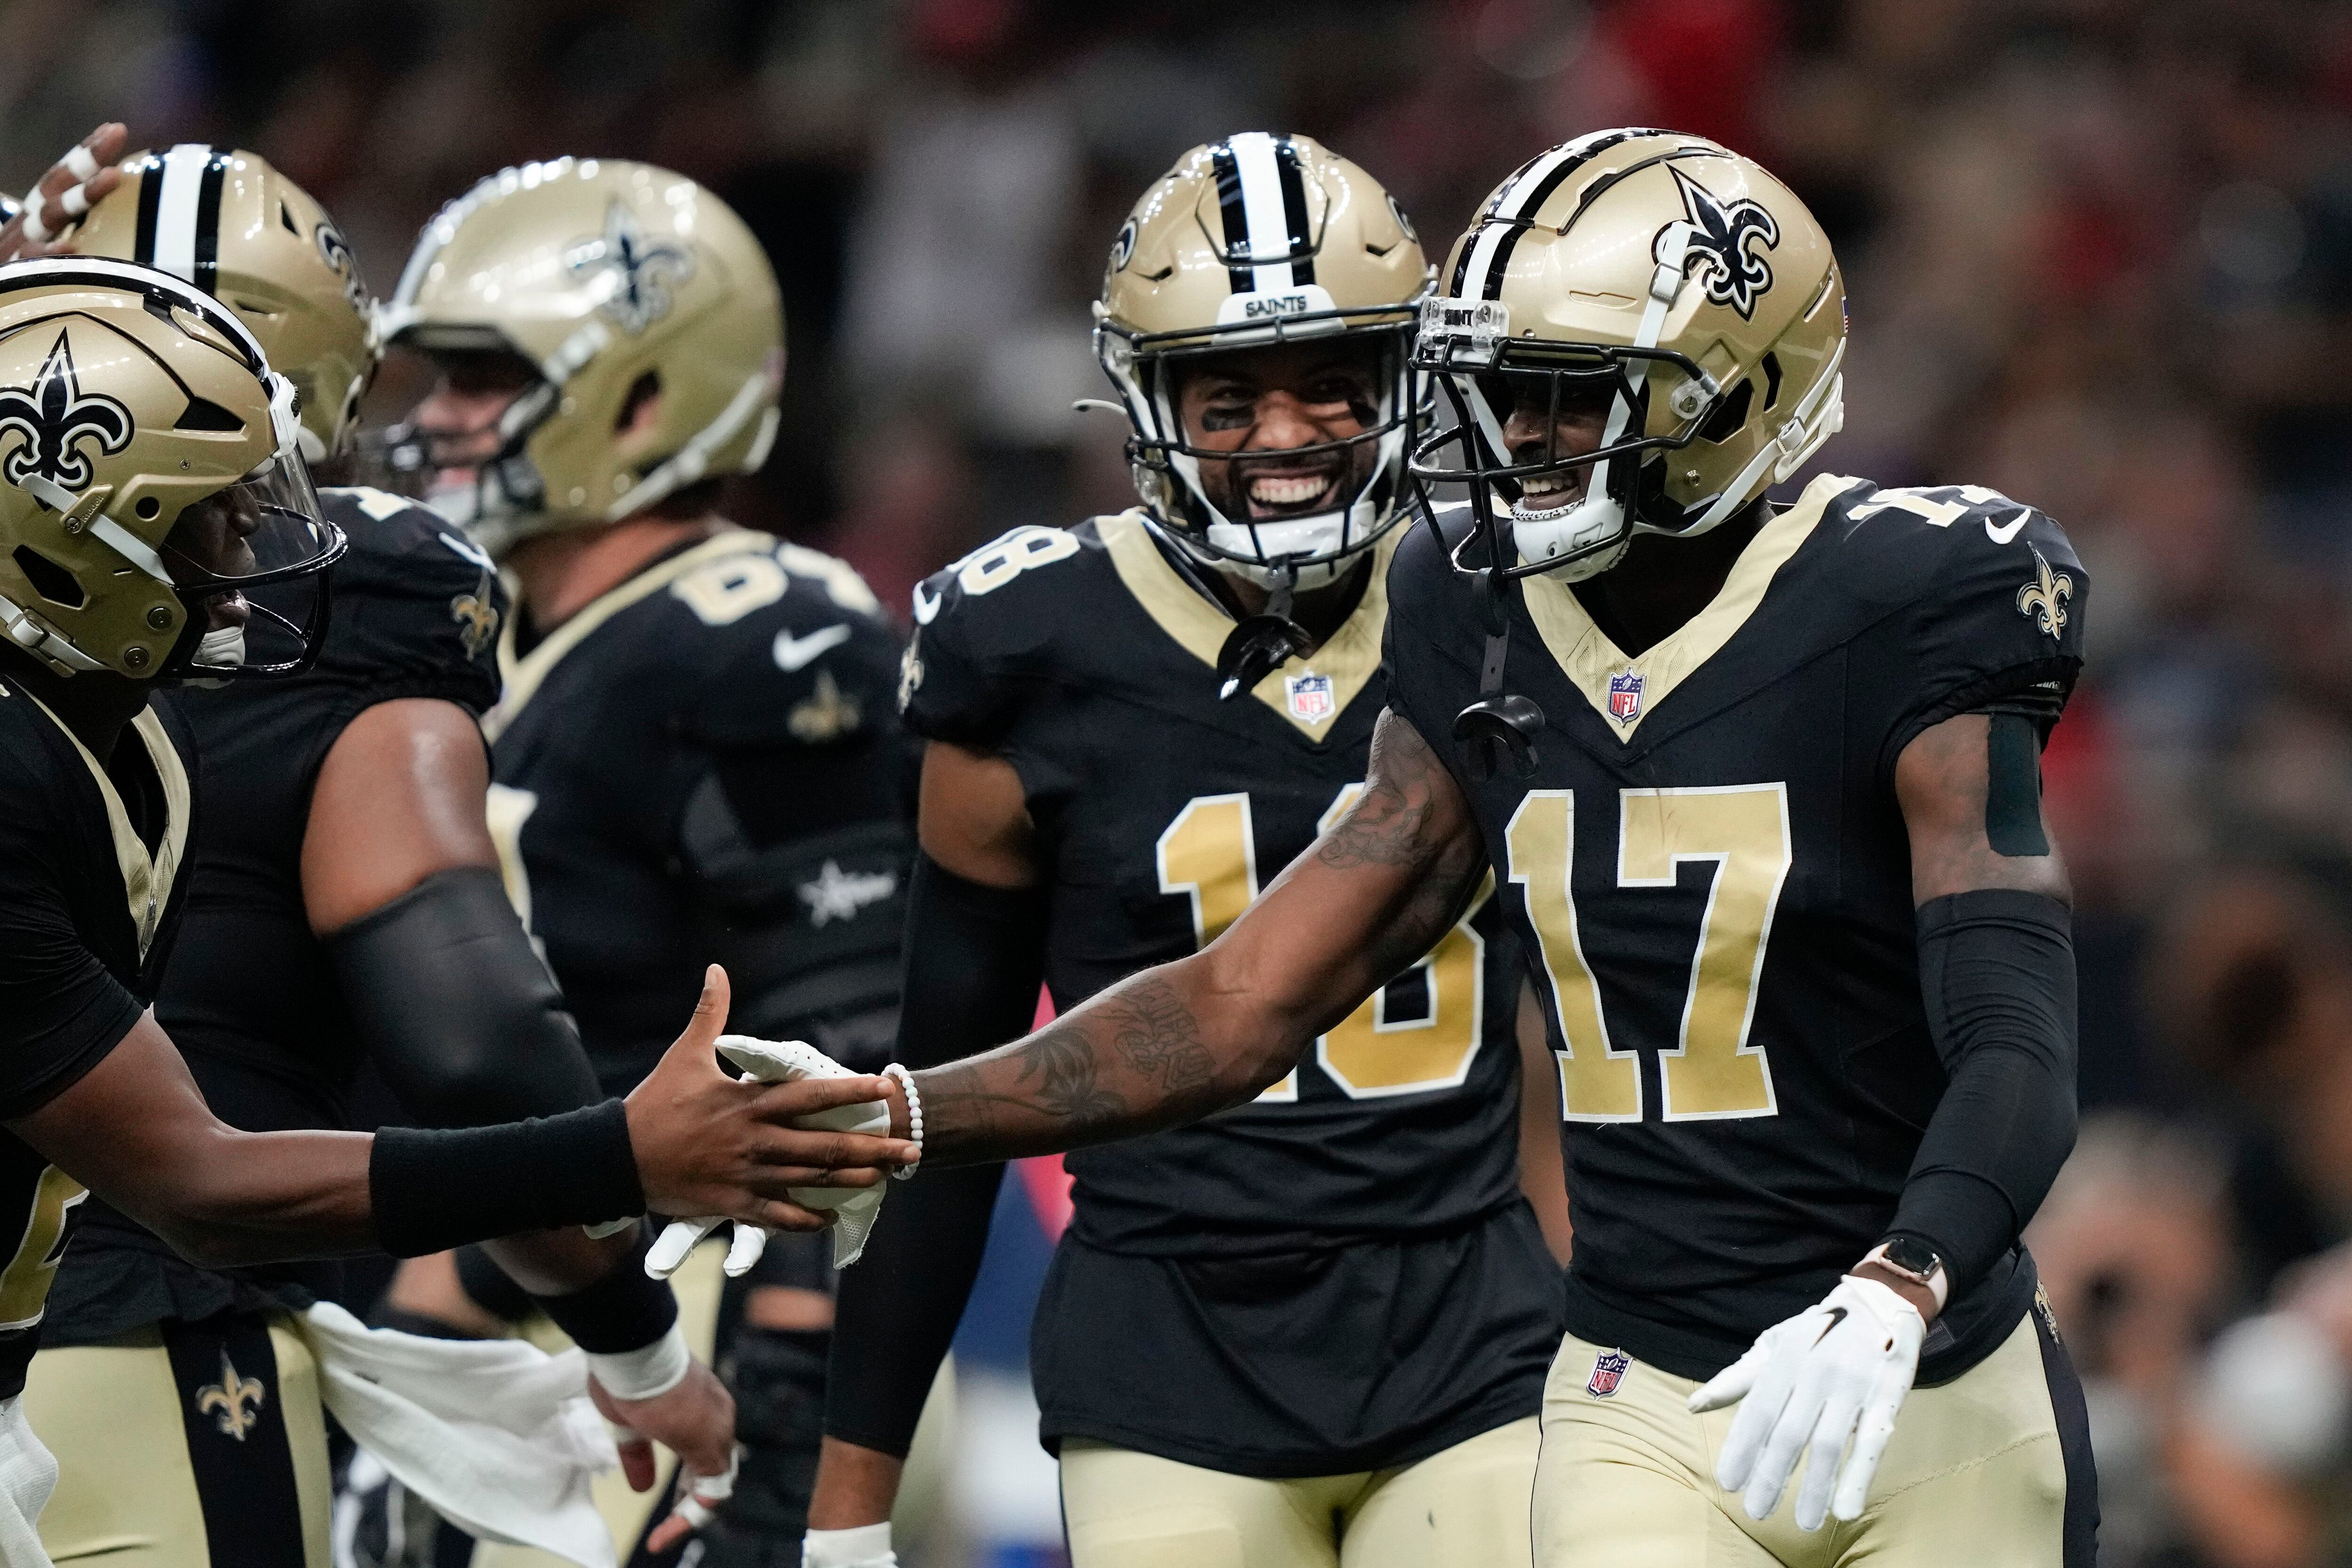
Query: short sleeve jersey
251,998
1086,660
92,861
1709,863
705,764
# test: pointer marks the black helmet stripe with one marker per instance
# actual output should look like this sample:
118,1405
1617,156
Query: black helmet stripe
1262,201
1534,187
1294,210
1234,212
178,212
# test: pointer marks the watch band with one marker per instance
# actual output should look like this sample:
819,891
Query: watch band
1915,1260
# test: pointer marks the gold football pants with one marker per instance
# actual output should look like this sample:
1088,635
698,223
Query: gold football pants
1991,1469
170,1438
1464,1507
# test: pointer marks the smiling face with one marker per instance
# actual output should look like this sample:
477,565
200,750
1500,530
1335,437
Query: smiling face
1266,404
1540,430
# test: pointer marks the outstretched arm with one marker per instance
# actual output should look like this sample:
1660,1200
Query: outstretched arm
1172,1044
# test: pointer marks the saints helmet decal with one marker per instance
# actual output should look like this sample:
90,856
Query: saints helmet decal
55,416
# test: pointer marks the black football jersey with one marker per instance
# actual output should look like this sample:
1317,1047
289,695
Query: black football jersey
1711,869
1085,659
92,861
703,766
251,998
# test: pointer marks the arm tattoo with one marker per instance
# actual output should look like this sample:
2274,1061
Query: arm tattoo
1132,1061
1159,1038
1384,827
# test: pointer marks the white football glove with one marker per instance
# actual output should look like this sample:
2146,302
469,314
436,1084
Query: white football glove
855,1208
1832,1373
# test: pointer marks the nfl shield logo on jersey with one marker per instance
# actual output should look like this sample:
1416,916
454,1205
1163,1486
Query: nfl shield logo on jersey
1625,696
1608,1371
1310,697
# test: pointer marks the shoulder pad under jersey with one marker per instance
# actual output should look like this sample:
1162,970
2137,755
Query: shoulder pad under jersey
1995,597
982,626
784,645
416,603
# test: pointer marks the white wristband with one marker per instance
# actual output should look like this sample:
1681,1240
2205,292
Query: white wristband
867,1546
647,1372
914,1117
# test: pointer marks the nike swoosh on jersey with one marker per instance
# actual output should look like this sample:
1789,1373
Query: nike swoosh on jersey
926,606
794,653
2003,535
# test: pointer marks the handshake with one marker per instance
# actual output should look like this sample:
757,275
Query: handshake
852,1211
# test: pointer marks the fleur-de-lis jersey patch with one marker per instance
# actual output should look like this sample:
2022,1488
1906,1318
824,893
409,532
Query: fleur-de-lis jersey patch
2045,598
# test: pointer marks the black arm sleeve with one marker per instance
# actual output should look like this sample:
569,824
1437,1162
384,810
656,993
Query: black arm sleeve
974,955
1997,971
459,1012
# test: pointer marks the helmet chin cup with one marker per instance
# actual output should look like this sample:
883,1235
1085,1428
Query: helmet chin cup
1586,539
1493,727
1254,650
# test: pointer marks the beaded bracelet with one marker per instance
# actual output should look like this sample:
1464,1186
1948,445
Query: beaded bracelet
914,1117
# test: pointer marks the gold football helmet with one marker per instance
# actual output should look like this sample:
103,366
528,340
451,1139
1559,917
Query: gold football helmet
150,462
1666,279
227,222
1253,241
611,278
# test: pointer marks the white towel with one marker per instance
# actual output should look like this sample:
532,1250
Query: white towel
496,1434
29,1473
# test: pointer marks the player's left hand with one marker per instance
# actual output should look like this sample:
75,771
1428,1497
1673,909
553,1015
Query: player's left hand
1834,1372
75,183
696,1420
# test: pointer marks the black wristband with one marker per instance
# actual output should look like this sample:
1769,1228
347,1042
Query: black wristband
624,1311
433,1190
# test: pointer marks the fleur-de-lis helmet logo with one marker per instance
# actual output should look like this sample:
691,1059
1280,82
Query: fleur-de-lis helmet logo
642,272
1719,243
56,418
336,252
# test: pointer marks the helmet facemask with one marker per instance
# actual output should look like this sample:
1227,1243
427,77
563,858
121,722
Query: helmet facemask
1286,552
263,546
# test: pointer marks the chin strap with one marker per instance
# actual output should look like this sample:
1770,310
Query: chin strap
1500,722
1264,643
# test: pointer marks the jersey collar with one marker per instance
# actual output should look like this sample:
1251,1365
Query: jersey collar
521,675
1348,660
1590,660
146,878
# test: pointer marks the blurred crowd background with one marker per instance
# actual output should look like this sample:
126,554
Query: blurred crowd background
2100,257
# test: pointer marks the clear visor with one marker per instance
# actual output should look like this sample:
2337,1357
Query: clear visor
250,563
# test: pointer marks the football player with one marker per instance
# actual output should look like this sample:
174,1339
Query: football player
150,479
697,751
349,902
1760,787
1315,1328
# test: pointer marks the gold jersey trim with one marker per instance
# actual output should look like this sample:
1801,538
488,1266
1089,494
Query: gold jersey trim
146,879
1350,657
522,676
1588,659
